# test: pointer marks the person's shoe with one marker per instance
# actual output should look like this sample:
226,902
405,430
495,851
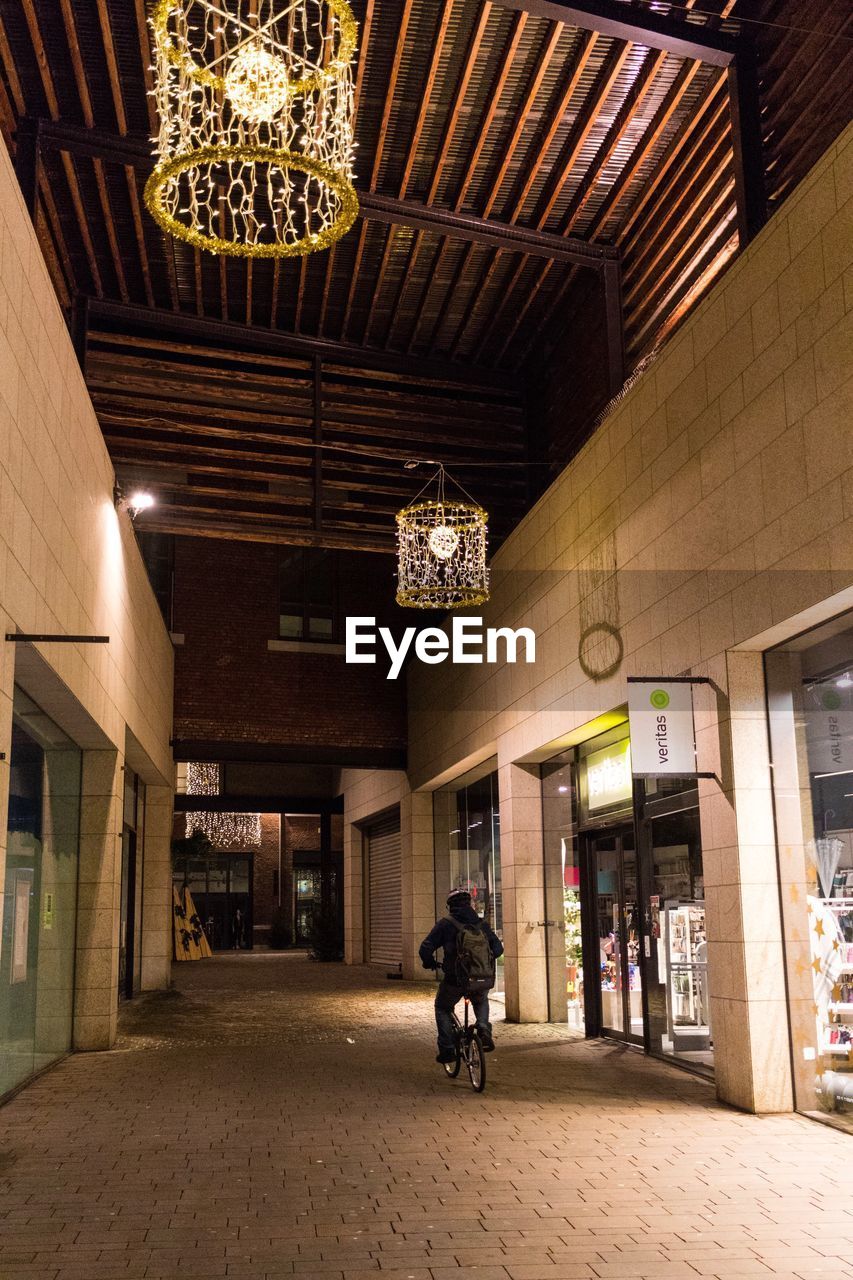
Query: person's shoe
486,1039
446,1055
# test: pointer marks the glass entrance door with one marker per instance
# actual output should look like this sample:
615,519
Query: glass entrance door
613,864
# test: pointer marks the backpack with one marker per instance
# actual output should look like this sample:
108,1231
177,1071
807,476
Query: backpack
475,964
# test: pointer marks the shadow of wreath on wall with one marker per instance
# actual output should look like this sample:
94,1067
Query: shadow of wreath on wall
600,651
600,647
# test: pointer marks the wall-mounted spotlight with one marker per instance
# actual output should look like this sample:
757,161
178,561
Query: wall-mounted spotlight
134,501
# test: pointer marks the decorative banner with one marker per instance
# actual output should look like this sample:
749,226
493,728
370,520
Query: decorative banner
829,727
662,735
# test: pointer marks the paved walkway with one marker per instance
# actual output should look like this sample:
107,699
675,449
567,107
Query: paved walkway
275,1118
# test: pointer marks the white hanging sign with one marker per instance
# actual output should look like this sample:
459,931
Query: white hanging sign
829,727
663,739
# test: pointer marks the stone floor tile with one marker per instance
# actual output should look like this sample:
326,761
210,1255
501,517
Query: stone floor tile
239,1134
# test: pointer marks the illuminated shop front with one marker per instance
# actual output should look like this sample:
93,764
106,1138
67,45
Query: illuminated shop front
625,903
810,703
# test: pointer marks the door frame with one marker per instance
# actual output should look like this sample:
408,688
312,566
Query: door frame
593,1017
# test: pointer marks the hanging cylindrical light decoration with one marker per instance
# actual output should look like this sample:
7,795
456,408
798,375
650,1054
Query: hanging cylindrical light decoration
441,551
255,148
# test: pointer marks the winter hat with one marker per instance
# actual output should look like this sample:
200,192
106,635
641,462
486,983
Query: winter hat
459,898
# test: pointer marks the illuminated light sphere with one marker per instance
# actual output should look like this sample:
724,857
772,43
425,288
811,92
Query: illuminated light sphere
441,552
443,541
257,85
254,153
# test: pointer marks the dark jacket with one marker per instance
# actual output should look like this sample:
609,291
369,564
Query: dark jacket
444,934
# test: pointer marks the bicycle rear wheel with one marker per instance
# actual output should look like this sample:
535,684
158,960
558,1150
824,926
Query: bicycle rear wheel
476,1061
452,1068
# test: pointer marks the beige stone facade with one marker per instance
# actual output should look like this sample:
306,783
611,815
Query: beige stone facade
70,565
709,516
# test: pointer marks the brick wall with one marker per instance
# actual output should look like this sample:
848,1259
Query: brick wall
230,687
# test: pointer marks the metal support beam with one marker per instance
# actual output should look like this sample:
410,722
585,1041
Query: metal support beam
541,244
615,327
639,25
747,143
463,226
28,161
25,637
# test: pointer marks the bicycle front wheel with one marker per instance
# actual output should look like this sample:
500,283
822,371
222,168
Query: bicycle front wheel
476,1060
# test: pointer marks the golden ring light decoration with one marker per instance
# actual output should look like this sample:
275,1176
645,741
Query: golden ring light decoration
441,550
255,146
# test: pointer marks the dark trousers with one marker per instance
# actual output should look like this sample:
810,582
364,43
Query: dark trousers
447,997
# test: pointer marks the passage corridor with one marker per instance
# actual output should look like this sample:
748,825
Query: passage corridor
272,1118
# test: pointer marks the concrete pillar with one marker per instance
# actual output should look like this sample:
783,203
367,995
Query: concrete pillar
353,894
746,973
157,889
7,688
418,879
99,892
522,881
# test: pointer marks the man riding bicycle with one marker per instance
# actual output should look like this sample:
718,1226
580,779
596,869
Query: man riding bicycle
446,934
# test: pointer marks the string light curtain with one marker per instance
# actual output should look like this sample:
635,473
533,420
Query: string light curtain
223,830
255,147
441,550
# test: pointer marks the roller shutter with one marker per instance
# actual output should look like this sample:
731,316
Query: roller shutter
385,903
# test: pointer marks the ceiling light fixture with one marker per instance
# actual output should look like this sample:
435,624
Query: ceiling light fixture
441,550
255,148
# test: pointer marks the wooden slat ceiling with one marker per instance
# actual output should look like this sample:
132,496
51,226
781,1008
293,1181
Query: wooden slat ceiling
464,105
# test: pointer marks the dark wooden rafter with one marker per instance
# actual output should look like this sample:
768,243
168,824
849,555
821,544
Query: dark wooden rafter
569,86
377,158
364,44
496,93
231,333
448,132
652,64
636,24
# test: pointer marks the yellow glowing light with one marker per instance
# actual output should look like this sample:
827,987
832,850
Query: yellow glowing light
441,552
255,146
256,85
443,541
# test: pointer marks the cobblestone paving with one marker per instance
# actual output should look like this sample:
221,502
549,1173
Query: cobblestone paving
274,1118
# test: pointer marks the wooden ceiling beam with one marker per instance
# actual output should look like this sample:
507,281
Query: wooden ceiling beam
644,147
178,523
466,226
637,25
263,340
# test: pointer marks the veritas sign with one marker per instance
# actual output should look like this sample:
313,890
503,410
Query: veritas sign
662,735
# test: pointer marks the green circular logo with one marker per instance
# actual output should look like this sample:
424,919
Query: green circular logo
831,700
659,699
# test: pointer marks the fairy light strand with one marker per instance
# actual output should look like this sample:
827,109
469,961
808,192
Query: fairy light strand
254,155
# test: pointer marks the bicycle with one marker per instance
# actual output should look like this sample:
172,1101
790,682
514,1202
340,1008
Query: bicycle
469,1048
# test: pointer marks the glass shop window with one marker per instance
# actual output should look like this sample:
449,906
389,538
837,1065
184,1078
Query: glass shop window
308,595
468,849
810,709
39,915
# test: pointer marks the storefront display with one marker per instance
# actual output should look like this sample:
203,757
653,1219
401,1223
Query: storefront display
624,902
810,707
